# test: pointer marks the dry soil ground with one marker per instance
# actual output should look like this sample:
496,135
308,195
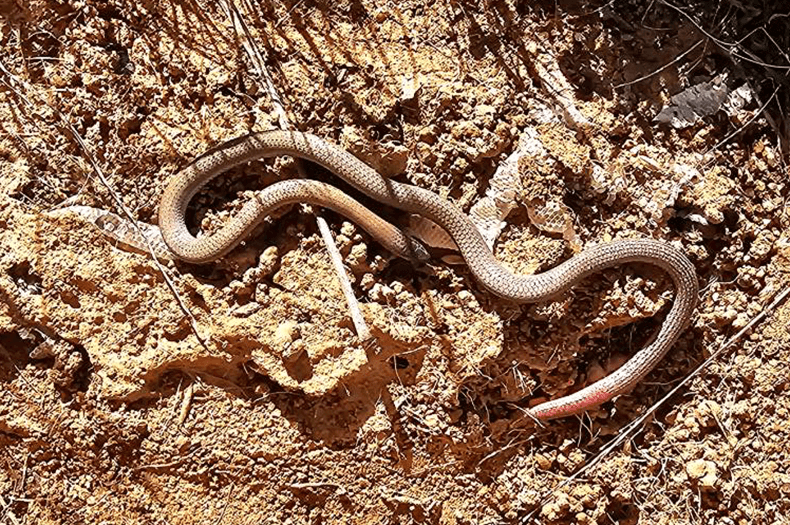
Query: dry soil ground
111,409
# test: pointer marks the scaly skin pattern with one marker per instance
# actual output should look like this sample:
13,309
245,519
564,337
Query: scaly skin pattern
481,261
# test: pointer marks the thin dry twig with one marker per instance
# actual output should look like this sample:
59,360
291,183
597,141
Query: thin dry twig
227,503
258,63
159,466
662,68
337,262
7,508
319,485
628,429
21,488
513,444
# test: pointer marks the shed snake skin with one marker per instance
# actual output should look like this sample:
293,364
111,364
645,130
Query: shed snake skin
481,261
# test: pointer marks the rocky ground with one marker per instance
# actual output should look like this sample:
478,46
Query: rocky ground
253,401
